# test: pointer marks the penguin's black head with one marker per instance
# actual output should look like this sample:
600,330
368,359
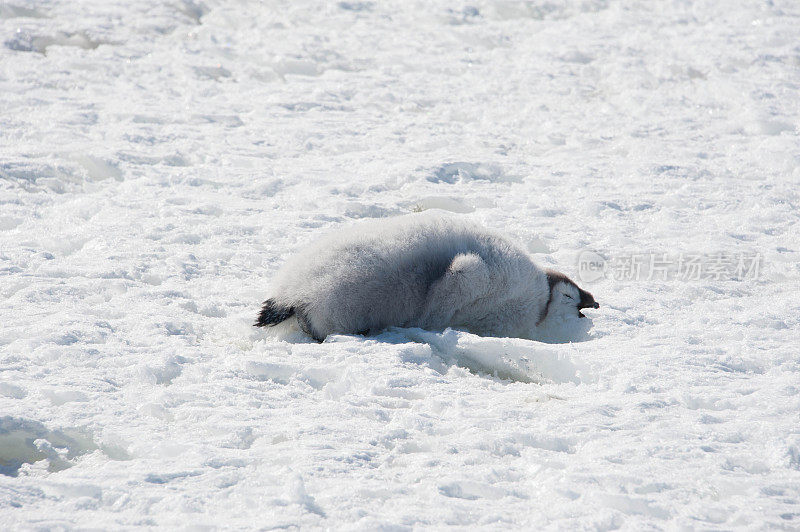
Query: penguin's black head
567,298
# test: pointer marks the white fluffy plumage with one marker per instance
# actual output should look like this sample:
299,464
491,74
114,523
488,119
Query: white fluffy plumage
425,270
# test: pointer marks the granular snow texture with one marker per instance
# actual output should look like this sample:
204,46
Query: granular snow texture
160,161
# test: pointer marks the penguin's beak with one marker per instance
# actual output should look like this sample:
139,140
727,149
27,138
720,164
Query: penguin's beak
587,301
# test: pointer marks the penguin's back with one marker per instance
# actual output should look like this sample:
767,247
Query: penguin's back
379,274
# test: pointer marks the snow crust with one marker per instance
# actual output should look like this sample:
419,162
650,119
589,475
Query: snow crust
159,162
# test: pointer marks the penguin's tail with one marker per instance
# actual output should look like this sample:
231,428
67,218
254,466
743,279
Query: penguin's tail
272,313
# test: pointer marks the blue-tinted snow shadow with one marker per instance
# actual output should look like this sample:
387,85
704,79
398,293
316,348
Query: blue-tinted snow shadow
546,359
507,359
25,441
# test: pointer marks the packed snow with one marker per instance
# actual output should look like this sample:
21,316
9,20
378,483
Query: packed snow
160,161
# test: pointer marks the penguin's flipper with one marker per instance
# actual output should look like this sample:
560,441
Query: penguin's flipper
466,279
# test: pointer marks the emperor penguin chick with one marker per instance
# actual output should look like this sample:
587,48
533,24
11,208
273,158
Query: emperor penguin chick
422,270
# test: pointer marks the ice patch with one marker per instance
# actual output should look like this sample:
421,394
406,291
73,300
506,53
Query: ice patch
444,203
504,358
32,175
166,478
24,441
14,11
212,72
535,244
746,463
99,169
60,397
9,222
548,443
296,67
513,359
457,172
360,210
27,42
471,491
577,57
12,390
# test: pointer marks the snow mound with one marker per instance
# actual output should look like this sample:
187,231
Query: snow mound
512,359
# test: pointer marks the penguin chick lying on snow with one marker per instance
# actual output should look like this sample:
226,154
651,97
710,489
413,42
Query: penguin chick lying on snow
419,270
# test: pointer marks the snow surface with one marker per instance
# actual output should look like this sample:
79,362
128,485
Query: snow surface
159,161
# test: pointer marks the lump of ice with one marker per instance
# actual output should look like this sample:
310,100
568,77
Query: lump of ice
452,173
12,390
98,169
296,67
23,441
504,358
24,41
